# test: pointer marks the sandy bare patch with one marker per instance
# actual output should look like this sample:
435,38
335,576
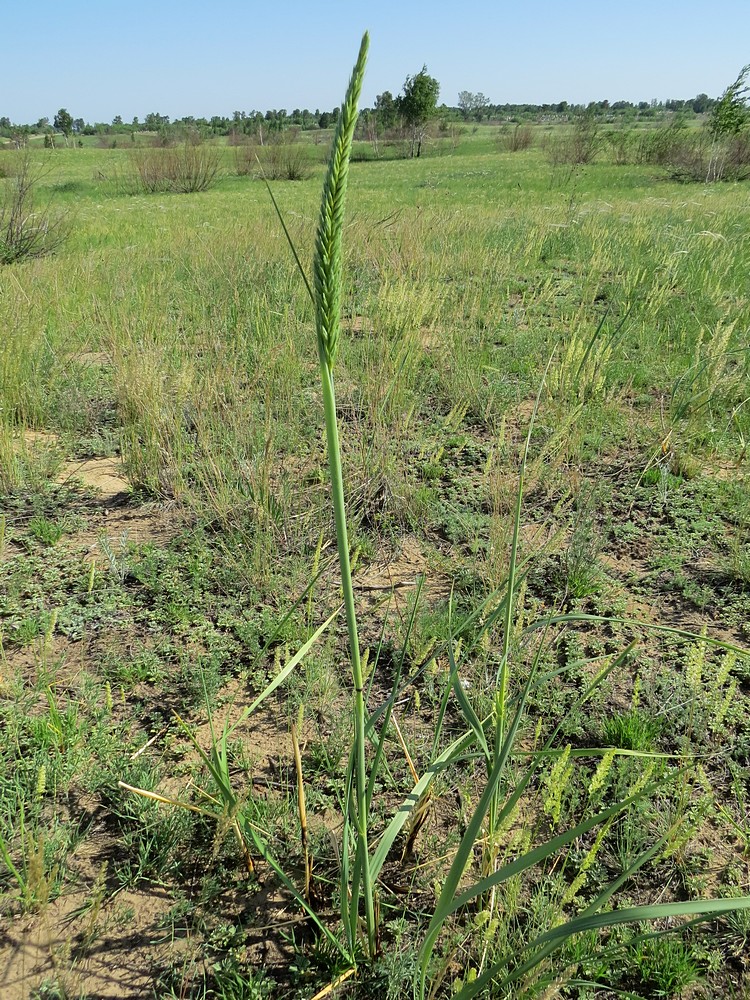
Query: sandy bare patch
116,520
106,475
393,577
431,339
39,438
84,943
99,941
358,325
726,472
93,359
112,516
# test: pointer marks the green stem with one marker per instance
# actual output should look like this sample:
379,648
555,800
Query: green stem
342,540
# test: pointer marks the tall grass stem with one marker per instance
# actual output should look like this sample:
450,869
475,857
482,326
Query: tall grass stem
327,289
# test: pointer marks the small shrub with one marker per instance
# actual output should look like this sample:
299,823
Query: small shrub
246,157
738,157
183,169
660,146
517,139
282,159
693,155
285,160
193,167
620,143
690,159
28,230
148,173
578,146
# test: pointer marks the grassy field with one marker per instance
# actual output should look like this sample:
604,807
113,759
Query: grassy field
167,545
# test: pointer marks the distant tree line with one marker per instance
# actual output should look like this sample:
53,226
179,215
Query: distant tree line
477,107
407,111
257,124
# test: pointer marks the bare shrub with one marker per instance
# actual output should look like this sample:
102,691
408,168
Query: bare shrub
28,230
246,159
576,147
183,169
149,173
191,136
705,159
690,159
695,154
285,159
738,157
516,139
193,167
164,138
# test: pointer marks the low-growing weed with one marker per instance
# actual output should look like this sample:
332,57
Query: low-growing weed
45,531
632,730
665,966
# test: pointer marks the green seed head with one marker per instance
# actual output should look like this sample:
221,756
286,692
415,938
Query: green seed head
327,262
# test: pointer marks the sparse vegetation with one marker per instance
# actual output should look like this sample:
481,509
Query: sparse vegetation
547,728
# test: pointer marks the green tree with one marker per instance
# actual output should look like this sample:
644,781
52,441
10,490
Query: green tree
63,122
386,110
700,104
730,114
475,105
154,121
417,105
466,103
481,106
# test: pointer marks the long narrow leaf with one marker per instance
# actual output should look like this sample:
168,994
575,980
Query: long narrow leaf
445,904
282,675
452,753
705,908
449,902
544,851
574,618
380,742
467,710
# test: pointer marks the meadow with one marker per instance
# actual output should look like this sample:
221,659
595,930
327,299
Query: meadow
168,553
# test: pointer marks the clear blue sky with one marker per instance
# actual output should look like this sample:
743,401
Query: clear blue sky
100,58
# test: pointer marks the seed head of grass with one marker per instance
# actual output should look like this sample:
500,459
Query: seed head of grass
327,261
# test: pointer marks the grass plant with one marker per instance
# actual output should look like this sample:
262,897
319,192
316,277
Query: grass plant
327,283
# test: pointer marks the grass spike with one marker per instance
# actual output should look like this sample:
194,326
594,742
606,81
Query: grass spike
327,261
